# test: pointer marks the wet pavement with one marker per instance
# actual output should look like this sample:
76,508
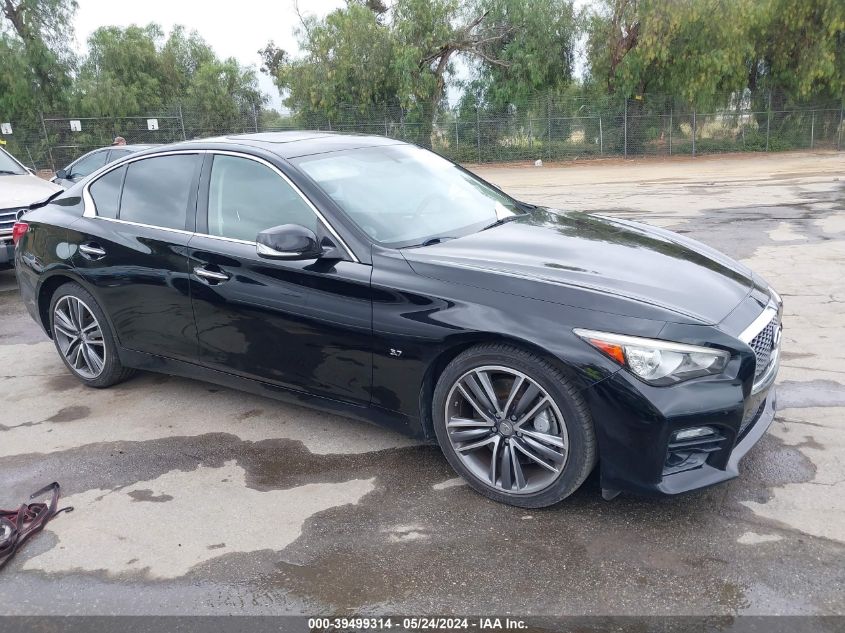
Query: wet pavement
195,499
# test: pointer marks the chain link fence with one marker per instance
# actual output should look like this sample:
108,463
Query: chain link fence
542,128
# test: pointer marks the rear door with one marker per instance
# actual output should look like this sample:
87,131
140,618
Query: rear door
131,248
305,325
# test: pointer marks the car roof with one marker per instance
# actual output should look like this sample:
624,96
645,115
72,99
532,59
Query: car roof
134,147
293,144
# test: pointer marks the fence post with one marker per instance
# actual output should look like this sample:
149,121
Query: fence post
839,138
182,123
625,126
768,119
478,133
812,128
601,139
549,124
670,129
255,117
457,137
31,159
47,142
693,131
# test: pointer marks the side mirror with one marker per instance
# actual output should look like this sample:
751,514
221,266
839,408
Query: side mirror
288,241
61,174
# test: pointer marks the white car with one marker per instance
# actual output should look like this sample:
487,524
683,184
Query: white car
20,189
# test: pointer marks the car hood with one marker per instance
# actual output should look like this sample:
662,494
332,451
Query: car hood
24,190
605,256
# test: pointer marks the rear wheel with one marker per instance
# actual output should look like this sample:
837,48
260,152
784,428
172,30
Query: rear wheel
513,426
83,338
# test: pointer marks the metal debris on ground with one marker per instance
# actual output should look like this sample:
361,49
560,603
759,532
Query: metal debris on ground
16,526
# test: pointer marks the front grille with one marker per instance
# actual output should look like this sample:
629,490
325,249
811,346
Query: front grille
8,217
763,345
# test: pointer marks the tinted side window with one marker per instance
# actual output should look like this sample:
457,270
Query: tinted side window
246,197
88,165
156,190
118,153
106,193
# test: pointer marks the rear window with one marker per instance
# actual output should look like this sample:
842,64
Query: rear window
156,190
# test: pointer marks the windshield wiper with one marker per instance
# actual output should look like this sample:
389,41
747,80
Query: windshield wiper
501,221
436,240
8,172
430,241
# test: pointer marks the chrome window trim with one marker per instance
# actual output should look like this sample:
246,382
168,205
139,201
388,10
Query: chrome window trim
146,226
226,239
90,209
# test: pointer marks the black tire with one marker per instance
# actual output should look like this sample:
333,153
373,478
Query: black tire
582,452
112,371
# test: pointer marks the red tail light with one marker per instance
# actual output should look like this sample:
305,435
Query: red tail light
18,231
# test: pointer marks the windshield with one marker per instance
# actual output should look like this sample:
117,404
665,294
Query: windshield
401,195
9,166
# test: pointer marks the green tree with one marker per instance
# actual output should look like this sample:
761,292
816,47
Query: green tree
694,49
537,48
799,49
37,61
135,70
705,50
222,95
347,58
123,72
367,55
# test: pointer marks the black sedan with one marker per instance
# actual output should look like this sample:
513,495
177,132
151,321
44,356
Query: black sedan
370,277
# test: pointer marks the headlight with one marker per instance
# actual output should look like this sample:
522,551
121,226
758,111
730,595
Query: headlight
657,362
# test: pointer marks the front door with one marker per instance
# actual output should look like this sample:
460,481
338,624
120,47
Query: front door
305,325
133,252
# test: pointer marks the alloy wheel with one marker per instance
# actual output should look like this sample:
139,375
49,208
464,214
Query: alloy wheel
506,429
79,337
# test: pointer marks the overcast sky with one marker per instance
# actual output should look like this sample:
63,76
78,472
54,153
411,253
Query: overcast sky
239,31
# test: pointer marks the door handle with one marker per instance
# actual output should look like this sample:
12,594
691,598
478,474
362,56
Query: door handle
211,276
92,250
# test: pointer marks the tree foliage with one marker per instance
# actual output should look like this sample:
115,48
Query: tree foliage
136,70
368,54
373,54
37,62
701,49
538,48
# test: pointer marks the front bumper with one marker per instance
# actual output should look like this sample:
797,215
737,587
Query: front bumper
635,422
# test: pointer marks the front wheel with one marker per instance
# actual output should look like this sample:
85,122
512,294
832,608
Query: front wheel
512,425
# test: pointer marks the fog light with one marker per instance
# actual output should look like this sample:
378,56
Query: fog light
693,433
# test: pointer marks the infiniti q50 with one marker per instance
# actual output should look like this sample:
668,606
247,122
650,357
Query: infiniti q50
370,277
